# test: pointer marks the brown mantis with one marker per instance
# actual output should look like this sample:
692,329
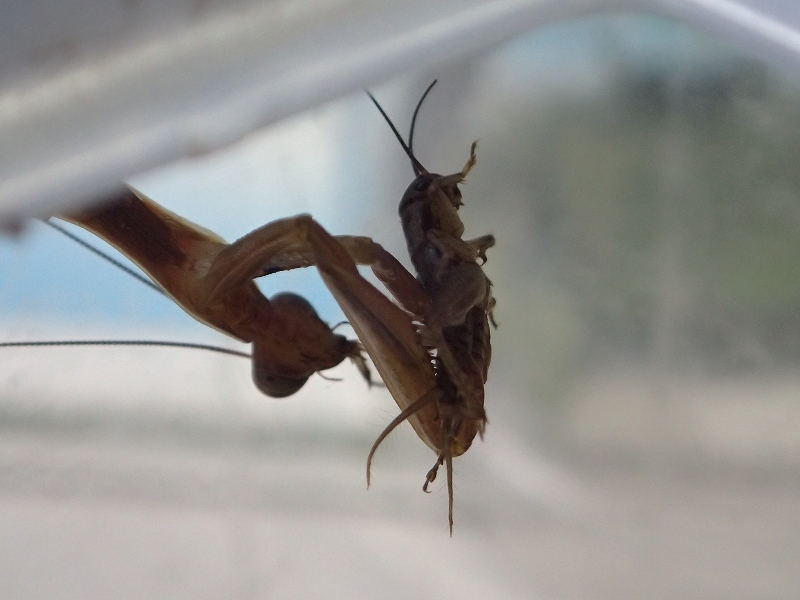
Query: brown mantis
432,351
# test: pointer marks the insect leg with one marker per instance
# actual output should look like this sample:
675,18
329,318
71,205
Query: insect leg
386,331
363,251
463,288
481,245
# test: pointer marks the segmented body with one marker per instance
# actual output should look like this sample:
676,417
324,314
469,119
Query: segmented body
456,327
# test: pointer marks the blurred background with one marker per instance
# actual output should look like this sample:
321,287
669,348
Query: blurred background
644,424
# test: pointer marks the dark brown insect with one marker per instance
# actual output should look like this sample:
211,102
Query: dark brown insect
454,327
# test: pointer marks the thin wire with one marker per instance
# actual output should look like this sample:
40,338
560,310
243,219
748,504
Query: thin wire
188,345
105,256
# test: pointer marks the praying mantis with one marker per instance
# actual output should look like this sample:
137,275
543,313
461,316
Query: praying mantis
431,346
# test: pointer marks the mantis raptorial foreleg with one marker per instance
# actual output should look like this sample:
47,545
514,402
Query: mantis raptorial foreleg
385,330
299,242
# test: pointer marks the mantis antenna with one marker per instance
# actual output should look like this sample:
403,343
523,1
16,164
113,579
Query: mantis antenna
190,345
142,279
105,257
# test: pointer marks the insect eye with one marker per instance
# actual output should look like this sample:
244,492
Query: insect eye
276,386
420,184
415,191
290,299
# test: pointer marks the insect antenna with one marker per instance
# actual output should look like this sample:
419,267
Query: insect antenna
105,256
140,278
414,121
161,344
416,165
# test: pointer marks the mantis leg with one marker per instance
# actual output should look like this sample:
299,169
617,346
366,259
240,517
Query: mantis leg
386,330
285,244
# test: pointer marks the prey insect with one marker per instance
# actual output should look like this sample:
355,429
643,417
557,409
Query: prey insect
454,326
431,347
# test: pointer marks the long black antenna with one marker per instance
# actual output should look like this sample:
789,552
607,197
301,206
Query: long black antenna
418,168
189,345
105,256
143,280
414,120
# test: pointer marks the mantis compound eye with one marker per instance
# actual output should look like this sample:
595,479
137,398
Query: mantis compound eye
280,382
276,386
295,301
